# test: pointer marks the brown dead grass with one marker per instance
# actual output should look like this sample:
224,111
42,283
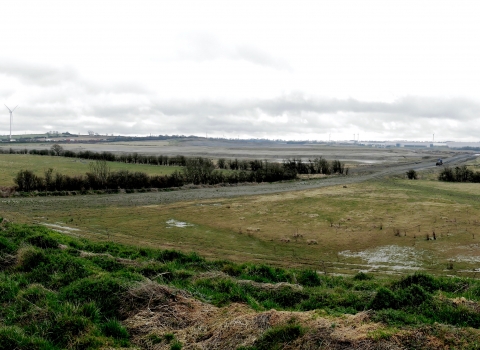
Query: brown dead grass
152,310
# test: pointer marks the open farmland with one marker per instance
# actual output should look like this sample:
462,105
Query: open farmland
378,222
11,164
271,151
373,226
360,261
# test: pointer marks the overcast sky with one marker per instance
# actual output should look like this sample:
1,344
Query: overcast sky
381,70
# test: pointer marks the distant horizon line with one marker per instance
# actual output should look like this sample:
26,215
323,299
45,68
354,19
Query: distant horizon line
109,136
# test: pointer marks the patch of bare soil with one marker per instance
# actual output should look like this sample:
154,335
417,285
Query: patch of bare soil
152,311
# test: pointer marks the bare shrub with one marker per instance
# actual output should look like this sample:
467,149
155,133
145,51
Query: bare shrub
297,235
412,174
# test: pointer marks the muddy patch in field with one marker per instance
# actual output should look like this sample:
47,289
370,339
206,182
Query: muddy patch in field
175,223
390,256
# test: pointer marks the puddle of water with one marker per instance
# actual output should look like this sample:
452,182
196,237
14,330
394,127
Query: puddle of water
374,267
61,227
391,256
175,223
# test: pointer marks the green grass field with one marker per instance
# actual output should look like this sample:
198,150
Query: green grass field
383,262
11,164
60,292
380,226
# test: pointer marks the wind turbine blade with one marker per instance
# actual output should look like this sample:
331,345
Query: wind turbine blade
8,108
14,108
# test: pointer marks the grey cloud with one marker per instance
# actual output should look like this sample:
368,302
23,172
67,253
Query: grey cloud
118,88
256,56
37,74
205,47
408,107
6,91
49,77
408,117
116,111
202,47
284,116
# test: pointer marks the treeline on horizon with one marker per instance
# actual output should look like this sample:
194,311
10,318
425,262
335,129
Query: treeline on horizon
195,170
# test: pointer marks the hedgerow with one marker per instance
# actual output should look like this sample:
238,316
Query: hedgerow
195,170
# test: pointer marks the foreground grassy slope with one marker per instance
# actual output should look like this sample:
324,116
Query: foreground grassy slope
381,225
61,292
11,164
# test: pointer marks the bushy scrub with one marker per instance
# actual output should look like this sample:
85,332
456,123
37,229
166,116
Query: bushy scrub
29,258
335,300
106,263
113,328
277,336
13,337
173,255
42,241
459,174
284,297
232,269
104,291
9,287
362,276
425,281
308,278
219,291
7,246
265,273
57,270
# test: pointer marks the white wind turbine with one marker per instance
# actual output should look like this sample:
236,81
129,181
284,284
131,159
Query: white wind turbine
11,118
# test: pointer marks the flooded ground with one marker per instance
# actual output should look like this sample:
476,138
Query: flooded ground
386,258
175,223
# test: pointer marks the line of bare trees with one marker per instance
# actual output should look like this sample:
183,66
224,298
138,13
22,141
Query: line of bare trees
197,171
318,165
129,158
